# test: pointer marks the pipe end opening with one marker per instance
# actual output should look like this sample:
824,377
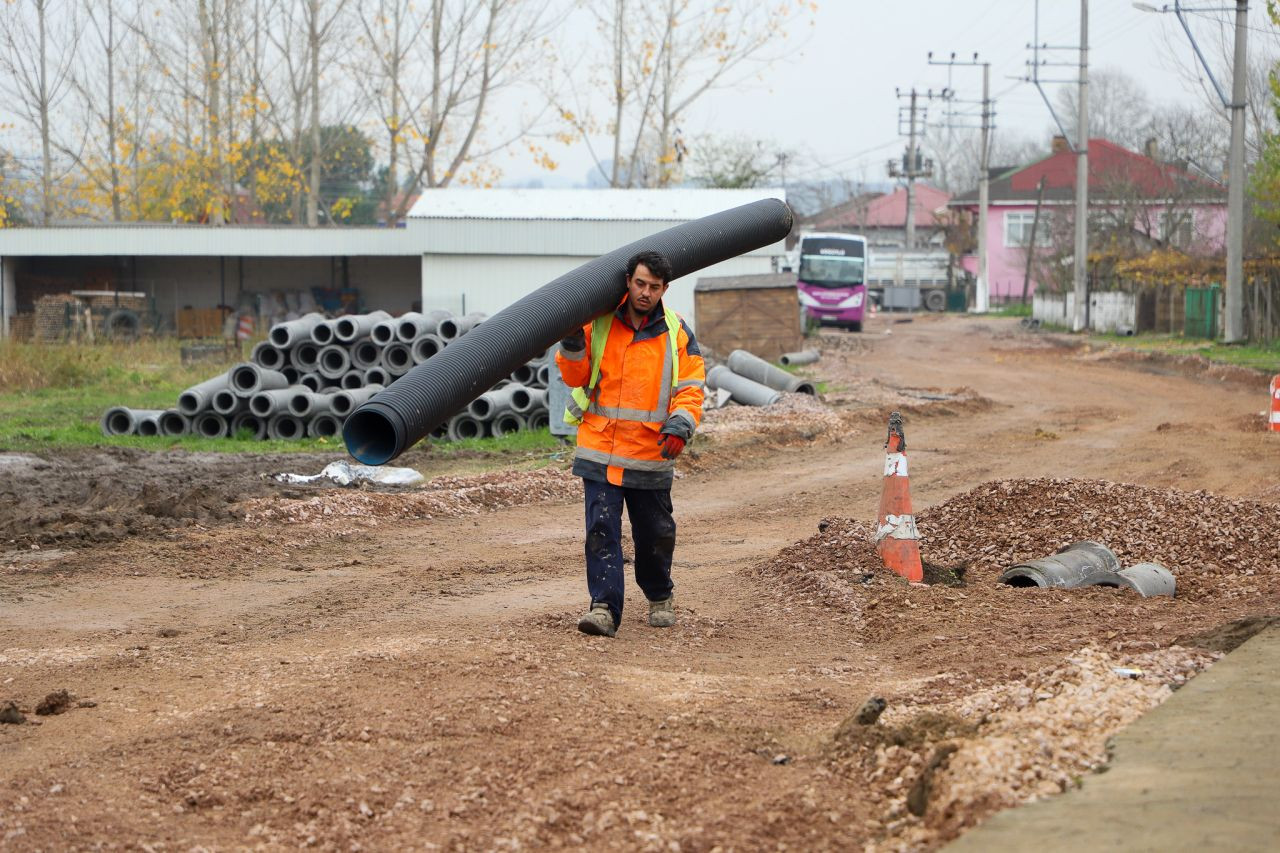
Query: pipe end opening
371,436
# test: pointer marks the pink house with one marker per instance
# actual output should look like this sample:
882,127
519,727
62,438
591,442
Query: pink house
883,219
1134,199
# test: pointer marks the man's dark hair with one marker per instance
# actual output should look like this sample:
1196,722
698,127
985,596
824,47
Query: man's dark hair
655,261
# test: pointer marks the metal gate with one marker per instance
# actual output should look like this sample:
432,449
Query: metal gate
1201,312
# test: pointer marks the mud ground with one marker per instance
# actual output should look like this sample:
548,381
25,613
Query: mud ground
254,665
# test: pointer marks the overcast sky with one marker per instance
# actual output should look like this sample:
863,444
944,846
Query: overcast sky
833,100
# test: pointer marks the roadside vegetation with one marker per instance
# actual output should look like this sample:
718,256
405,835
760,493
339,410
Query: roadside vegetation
53,396
1263,357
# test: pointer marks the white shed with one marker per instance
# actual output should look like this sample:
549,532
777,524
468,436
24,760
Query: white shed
484,249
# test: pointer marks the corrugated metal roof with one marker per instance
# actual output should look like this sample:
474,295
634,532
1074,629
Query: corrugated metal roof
209,241
745,282
615,204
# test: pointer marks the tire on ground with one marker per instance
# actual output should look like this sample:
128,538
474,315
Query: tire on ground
122,324
935,300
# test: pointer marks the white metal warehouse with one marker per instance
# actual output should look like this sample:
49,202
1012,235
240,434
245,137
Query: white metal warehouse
460,249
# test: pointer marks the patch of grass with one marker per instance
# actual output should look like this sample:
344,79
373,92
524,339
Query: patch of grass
1256,356
1012,309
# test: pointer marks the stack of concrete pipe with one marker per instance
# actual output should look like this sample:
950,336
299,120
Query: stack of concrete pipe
311,373
752,381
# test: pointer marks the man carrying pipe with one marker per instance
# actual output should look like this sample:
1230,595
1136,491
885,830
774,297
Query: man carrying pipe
636,378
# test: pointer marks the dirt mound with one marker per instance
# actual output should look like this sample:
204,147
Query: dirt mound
1171,364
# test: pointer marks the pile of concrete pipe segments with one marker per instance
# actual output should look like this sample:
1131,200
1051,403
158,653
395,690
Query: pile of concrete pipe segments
1088,563
311,373
749,380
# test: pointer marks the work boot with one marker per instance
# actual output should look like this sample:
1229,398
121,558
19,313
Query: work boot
662,614
598,622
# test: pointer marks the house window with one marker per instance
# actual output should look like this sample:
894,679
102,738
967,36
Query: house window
1017,229
1177,227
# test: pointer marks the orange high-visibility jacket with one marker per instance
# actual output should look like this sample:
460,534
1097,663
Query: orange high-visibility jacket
633,399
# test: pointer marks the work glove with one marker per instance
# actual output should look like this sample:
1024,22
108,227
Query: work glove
672,445
574,342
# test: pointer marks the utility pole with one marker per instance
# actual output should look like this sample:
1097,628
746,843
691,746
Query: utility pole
913,166
1080,269
982,289
1080,146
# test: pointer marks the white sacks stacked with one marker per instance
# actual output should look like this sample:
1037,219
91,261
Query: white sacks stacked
312,372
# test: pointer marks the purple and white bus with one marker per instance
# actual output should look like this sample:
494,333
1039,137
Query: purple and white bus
831,279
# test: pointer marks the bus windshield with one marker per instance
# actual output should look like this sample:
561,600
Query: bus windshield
831,270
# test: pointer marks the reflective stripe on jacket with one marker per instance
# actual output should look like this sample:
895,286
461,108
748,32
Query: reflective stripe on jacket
638,389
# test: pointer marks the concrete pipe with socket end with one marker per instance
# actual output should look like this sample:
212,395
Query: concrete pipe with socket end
291,374
746,391
334,361
322,333
351,380
805,356
304,403
378,376
384,332
264,404
463,426
542,377
444,384
306,356
456,327
314,381
539,419
1078,564
522,398
1149,579
353,327
757,369
343,403
210,425
268,355
293,332
256,426
490,404
427,346
324,425
149,422
286,427
174,423
121,420
397,359
198,398
525,374
249,379
226,403
365,354
506,423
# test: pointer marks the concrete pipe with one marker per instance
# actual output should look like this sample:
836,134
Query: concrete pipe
264,404
324,425
384,332
352,327
522,398
174,423
249,379
805,356
366,353
314,381
148,422
256,426
291,333
291,374
507,423
226,402
746,391
456,327
462,426
322,333
343,403
442,385
539,419
210,425
334,361
543,375
397,358
121,420
351,380
407,328
268,355
427,346
427,324
304,404
1078,564
378,376
306,356
757,369
1149,579
197,398
286,427
525,374
489,404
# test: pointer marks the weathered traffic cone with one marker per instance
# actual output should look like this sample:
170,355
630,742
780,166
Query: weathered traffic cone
896,538
1275,403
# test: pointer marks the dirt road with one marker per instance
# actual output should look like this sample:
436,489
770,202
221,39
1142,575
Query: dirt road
350,670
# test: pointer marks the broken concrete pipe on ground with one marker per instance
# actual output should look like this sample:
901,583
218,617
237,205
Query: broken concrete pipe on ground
427,395
757,369
1089,563
794,359
742,390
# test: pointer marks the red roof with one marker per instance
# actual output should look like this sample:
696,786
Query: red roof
886,211
1108,164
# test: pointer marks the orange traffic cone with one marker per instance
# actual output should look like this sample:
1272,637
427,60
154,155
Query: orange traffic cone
1275,403
896,536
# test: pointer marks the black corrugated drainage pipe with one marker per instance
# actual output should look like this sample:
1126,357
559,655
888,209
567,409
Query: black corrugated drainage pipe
404,413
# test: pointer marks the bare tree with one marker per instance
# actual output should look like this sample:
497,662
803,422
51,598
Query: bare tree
1119,109
322,19
38,41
